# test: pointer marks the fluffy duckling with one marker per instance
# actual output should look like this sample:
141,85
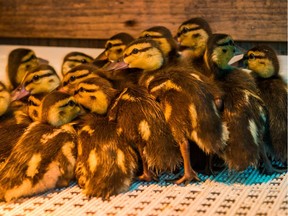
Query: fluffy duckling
20,61
189,106
40,79
4,98
45,155
244,111
264,63
73,59
139,120
78,74
106,164
192,36
164,38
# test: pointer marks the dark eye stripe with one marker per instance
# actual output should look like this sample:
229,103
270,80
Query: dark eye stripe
75,60
114,45
44,75
188,30
142,50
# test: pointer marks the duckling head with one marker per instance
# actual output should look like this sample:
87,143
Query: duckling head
74,59
143,54
41,79
95,94
58,108
163,37
115,46
4,98
77,75
220,49
262,60
192,36
20,61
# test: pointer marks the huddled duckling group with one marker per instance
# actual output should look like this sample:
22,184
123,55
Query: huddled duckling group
144,106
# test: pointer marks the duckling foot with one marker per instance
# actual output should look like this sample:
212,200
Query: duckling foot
148,177
187,178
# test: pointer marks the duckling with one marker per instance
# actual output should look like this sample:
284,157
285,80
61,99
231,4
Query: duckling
40,79
192,36
244,112
4,98
20,61
170,49
188,105
264,63
139,120
164,38
45,155
73,59
79,73
106,164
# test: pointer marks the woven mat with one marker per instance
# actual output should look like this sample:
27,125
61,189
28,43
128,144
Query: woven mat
228,193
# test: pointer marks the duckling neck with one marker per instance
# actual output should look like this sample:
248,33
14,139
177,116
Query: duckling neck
219,73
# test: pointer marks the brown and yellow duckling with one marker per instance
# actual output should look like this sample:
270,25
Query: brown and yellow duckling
244,111
264,64
189,106
139,120
106,164
192,36
20,61
45,155
73,59
40,79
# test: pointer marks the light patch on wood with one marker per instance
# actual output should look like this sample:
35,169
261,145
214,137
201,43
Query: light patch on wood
92,160
67,150
33,164
121,160
88,129
166,86
128,97
193,115
144,130
46,137
167,111
253,130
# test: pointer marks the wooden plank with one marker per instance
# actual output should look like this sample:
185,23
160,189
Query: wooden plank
247,20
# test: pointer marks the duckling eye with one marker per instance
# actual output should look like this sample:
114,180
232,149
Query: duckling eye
196,35
251,56
185,30
119,51
147,35
71,103
83,61
36,78
135,51
224,50
72,78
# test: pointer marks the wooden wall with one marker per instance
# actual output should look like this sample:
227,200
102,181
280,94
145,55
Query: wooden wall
245,20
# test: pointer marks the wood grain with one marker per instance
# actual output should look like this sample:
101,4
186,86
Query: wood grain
247,20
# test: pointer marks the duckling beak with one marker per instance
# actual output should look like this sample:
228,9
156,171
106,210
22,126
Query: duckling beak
42,61
19,93
116,66
238,56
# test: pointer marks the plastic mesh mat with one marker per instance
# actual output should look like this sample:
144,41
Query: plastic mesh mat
227,193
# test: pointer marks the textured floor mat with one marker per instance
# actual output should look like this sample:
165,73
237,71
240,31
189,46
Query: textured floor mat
228,193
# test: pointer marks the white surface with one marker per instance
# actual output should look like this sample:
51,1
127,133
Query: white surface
55,57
